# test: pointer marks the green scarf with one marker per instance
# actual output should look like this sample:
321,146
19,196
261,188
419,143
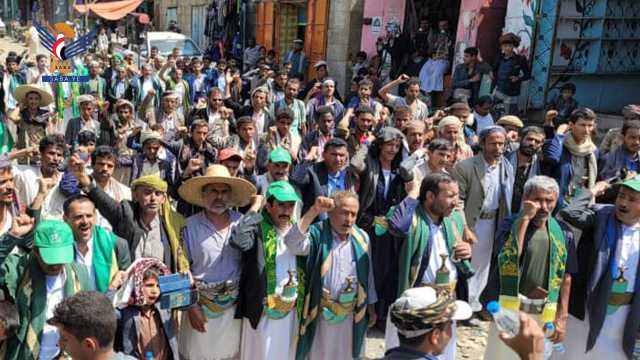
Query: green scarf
316,265
270,244
416,243
509,269
5,138
31,298
103,254
75,92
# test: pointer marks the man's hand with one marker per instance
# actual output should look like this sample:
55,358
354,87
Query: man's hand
549,117
249,160
21,225
403,78
312,155
46,184
151,93
118,280
529,209
469,236
475,78
197,319
529,343
462,250
76,165
560,328
256,203
194,165
599,188
412,188
323,204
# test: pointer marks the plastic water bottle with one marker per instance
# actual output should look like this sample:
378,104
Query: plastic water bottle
506,320
549,346
148,355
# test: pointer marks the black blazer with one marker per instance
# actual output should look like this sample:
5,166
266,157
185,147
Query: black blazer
311,178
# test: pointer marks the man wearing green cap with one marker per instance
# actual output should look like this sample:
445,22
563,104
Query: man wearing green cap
268,285
277,169
37,282
604,304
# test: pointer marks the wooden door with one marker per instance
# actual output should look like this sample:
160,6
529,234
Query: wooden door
264,24
316,32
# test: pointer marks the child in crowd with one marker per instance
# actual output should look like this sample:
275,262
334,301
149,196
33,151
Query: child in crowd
8,324
143,327
360,63
565,103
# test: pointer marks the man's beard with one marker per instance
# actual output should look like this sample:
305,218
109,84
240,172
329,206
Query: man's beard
528,151
218,210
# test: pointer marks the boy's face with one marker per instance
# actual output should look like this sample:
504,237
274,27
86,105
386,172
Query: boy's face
364,91
151,290
566,94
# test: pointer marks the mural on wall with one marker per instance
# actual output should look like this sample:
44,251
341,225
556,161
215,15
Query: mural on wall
520,20
391,12
468,23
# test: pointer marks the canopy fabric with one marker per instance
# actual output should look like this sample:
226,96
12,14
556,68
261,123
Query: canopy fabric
113,10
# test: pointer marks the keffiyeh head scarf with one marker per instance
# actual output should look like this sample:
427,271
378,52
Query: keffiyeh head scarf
131,291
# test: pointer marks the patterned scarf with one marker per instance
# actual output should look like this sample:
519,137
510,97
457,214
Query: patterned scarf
509,268
131,292
586,149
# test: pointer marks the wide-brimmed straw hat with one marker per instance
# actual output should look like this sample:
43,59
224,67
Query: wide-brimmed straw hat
241,189
45,97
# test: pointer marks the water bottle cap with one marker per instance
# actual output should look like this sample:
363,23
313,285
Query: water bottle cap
148,355
493,307
549,326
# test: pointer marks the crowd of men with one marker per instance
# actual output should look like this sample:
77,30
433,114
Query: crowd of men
304,218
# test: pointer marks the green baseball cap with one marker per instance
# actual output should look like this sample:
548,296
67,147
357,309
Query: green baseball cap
633,184
280,155
54,240
282,191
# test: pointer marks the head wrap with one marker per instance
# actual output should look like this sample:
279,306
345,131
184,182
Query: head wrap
152,181
131,292
449,120
328,81
414,319
490,130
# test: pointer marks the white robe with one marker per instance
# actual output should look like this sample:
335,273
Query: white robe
273,338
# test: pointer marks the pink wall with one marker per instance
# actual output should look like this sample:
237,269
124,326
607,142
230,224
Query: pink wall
388,10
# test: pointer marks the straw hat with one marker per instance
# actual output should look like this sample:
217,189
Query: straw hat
23,90
241,189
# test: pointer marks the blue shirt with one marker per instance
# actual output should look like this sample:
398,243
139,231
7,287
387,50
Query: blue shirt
336,182
631,163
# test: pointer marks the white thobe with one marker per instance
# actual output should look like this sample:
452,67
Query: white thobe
484,230
333,341
609,342
50,335
213,261
273,338
439,246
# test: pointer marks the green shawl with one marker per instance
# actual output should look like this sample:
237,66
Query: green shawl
103,255
316,266
31,299
509,269
416,243
75,92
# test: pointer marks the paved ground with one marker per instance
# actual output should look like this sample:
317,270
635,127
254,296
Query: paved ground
470,346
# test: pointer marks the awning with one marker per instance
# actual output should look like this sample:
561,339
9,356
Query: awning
113,10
